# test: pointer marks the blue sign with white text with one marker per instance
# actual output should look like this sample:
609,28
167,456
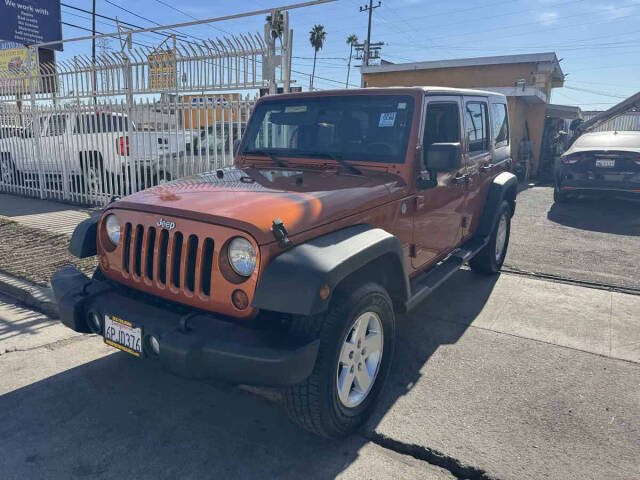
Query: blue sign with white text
29,22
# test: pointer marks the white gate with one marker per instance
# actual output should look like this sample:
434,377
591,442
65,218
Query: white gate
84,132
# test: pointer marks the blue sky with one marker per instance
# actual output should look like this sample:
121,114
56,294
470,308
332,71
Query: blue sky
598,41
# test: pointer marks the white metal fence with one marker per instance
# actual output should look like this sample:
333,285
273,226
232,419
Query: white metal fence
628,122
89,153
84,132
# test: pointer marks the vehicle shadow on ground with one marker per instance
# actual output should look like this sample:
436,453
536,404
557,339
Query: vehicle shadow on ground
605,215
31,324
14,206
118,417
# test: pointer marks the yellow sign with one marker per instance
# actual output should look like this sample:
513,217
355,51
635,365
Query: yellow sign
15,68
200,110
162,70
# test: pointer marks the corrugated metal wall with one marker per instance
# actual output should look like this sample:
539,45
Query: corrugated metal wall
628,121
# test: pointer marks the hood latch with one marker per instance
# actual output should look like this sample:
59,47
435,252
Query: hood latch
280,234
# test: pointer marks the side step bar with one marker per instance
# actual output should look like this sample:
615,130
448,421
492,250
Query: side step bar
424,284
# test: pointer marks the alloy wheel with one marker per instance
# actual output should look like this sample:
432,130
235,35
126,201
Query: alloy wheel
501,237
360,359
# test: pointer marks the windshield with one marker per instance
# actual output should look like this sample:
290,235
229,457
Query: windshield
364,127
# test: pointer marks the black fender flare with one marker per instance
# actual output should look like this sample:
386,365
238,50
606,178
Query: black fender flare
84,238
291,282
503,187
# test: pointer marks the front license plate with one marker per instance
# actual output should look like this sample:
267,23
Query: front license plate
605,163
122,335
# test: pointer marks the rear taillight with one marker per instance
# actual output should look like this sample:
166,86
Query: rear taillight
571,159
123,146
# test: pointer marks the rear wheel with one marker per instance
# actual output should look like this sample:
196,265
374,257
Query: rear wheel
489,260
161,177
357,336
92,174
8,173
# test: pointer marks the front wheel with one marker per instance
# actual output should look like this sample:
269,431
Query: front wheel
357,336
489,260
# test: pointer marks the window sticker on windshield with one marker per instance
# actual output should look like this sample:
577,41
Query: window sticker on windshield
387,119
402,105
295,109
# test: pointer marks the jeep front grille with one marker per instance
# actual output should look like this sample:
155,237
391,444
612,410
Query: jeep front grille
167,258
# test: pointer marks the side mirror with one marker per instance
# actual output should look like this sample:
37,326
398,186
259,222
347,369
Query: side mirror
236,147
442,157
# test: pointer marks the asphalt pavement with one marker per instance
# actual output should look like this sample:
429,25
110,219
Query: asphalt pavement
594,240
504,377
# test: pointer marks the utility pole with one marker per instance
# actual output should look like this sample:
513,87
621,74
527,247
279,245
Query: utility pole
367,8
93,48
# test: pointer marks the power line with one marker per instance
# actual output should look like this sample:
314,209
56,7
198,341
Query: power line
596,92
105,23
161,2
100,33
149,20
501,28
114,20
179,33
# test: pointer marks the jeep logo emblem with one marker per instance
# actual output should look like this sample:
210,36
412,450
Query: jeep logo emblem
162,223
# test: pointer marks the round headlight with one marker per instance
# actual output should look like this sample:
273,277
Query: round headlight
242,256
112,227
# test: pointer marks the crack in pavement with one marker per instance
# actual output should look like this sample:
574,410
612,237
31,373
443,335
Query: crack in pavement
571,281
431,456
49,346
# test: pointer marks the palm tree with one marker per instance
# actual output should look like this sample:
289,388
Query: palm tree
351,41
316,38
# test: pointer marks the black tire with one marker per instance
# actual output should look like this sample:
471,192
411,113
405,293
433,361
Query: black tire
8,172
315,404
559,197
93,179
161,177
487,261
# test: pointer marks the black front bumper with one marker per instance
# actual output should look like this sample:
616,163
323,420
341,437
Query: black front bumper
193,345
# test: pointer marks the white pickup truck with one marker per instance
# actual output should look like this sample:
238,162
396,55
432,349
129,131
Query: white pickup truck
94,151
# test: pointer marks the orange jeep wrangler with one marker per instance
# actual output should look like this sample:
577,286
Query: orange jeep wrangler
343,209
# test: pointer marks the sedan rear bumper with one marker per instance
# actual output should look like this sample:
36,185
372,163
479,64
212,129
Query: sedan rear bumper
193,345
614,184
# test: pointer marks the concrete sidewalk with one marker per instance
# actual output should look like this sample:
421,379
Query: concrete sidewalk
53,217
500,377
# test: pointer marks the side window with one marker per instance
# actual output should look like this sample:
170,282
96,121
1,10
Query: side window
442,124
477,127
500,124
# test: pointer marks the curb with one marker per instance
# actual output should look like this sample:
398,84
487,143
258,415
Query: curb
30,294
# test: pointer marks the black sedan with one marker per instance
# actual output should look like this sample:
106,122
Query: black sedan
600,163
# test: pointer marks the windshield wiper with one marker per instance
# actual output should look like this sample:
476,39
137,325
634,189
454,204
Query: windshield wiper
337,158
270,154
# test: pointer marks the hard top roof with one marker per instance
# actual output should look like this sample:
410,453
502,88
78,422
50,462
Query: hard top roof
391,90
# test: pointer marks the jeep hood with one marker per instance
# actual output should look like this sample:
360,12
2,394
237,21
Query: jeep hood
249,199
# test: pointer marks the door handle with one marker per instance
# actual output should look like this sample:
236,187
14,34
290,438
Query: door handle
486,168
460,179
